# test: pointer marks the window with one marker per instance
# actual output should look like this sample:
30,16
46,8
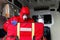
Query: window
47,19
18,4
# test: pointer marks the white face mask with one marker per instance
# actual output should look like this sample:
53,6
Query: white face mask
24,17
40,20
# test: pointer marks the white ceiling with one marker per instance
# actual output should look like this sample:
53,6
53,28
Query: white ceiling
33,3
38,3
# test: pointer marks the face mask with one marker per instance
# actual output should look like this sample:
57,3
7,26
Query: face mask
24,17
40,20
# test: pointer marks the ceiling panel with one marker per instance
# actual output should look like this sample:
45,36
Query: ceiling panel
38,3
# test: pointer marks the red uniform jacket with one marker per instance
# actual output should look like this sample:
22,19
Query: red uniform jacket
26,31
26,27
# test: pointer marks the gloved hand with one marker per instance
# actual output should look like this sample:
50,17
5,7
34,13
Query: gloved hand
14,22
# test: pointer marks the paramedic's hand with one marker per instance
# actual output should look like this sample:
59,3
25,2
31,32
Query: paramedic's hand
14,22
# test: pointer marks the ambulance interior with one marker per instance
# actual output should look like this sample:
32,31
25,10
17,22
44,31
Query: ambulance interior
49,10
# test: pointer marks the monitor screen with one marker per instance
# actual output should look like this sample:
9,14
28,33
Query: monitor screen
47,19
